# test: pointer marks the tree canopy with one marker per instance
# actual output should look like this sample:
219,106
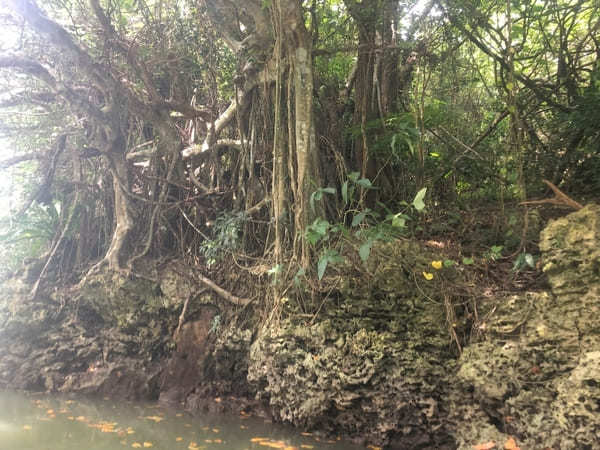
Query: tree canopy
284,131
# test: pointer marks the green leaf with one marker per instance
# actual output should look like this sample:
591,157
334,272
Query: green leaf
519,262
274,270
364,183
297,278
399,220
530,260
353,176
328,190
449,263
345,192
323,261
418,201
468,261
365,250
357,219
321,226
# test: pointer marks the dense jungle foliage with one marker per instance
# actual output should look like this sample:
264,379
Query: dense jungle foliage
282,136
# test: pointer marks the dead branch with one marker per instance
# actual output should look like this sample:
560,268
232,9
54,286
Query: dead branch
226,295
560,199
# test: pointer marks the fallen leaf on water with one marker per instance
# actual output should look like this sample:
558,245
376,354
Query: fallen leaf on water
243,427
136,445
178,439
217,441
155,418
148,444
178,415
27,427
50,411
215,430
273,444
306,446
487,446
510,444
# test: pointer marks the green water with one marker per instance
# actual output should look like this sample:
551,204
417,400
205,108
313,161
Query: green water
42,422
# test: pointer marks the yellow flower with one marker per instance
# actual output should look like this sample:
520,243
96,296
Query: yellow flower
437,265
428,276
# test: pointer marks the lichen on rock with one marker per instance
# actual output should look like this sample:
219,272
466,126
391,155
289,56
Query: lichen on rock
373,365
537,374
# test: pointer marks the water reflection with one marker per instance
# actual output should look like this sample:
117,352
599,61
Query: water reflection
41,422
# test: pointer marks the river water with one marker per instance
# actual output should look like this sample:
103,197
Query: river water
42,422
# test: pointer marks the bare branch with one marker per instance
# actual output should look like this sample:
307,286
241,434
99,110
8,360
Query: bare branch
17,160
226,295
30,67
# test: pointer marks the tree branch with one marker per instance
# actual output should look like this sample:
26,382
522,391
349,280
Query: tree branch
226,295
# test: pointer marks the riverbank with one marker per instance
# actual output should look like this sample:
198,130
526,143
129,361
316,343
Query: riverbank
398,354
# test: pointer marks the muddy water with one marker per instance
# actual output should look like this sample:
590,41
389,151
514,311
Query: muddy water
42,422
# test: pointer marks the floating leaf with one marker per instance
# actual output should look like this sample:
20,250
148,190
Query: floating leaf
428,276
437,265
148,444
178,439
136,445
27,427
155,418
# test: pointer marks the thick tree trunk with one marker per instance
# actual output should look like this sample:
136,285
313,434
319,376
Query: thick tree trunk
298,44
124,220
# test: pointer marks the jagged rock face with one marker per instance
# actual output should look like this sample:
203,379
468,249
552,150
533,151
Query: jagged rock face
537,375
373,365
106,338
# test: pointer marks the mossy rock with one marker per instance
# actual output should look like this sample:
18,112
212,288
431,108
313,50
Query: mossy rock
373,364
537,374
571,251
